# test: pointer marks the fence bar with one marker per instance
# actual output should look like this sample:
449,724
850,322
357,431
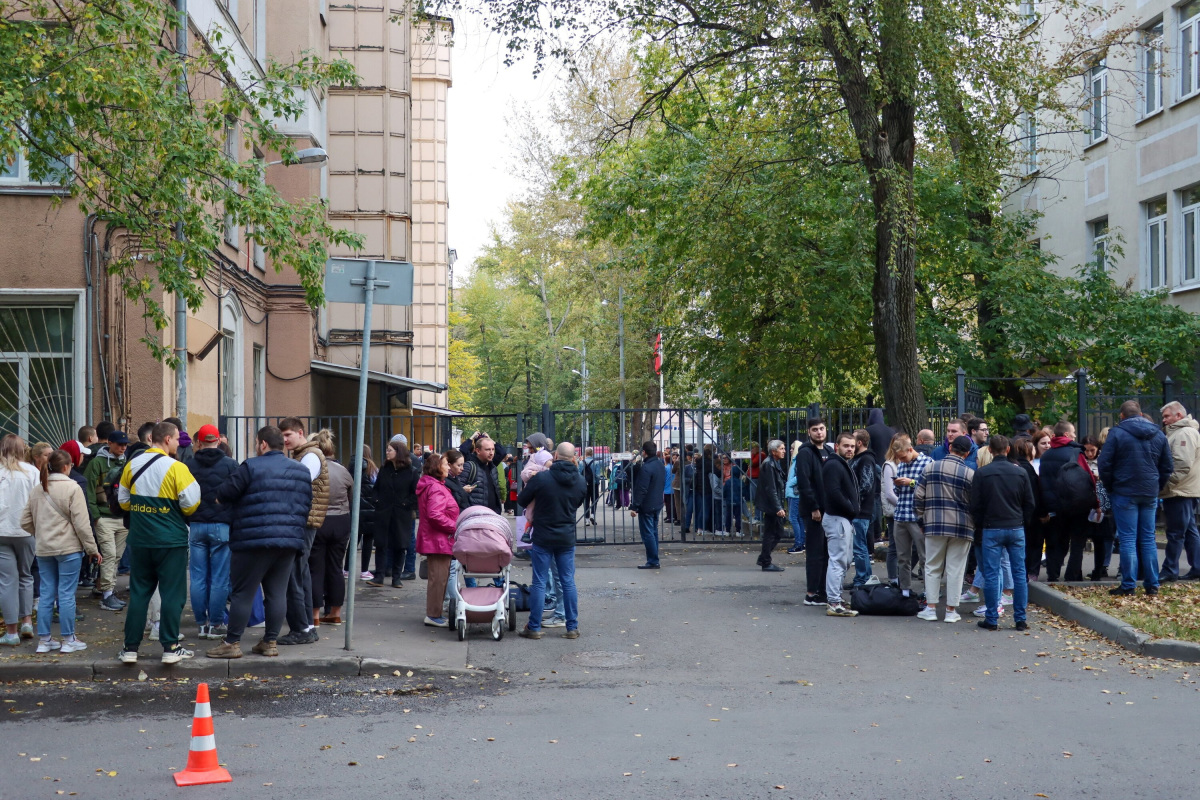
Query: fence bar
1081,396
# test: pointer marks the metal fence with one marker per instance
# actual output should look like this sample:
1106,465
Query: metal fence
428,431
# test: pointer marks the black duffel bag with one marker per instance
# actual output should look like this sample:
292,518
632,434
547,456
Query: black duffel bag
883,600
519,593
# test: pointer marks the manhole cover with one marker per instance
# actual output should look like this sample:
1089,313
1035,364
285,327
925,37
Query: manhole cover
600,658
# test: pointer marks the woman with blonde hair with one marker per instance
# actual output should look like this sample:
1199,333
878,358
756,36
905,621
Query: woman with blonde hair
57,518
329,545
39,454
17,479
889,499
793,501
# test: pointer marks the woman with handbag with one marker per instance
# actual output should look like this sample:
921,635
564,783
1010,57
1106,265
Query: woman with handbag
57,519
396,502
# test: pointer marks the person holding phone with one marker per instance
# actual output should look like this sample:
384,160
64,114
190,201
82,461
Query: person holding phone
57,519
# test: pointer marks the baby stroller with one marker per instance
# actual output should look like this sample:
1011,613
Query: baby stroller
482,549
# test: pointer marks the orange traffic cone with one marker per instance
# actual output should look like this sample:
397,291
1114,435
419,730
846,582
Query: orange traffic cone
202,766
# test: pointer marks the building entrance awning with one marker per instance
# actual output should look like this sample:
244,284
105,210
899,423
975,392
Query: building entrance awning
386,378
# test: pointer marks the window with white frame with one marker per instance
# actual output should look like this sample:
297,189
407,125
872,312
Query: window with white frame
38,377
232,233
1098,101
231,358
1028,11
1156,243
1189,40
17,171
260,380
1099,234
1152,61
1029,141
1189,200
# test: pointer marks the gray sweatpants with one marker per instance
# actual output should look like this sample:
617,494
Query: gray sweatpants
16,577
839,539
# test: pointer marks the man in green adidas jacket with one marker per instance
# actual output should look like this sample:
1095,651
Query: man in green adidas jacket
159,493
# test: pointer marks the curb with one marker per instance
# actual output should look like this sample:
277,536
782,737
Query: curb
1110,627
211,668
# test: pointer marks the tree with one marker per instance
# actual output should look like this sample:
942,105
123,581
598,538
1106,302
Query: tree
88,94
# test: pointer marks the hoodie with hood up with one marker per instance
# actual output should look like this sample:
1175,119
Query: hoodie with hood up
1136,459
881,434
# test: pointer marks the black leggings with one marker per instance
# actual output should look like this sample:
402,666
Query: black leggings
325,561
249,569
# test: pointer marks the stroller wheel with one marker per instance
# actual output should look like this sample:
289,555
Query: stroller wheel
512,614
461,627
497,628
452,612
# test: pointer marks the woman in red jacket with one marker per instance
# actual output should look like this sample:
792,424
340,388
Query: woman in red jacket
438,514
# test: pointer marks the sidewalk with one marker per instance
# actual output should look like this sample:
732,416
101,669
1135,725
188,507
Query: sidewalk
389,635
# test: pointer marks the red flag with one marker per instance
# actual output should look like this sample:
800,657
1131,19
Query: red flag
658,354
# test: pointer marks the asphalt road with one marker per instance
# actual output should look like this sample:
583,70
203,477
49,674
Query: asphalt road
707,679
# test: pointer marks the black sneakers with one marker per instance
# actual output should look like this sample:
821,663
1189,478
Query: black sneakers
1119,592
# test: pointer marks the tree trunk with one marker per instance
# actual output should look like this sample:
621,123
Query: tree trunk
987,312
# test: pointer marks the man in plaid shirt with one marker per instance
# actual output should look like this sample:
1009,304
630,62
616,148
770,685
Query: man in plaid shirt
910,466
942,502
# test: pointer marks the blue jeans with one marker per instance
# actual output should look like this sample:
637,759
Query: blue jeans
60,575
209,568
1006,573
689,507
1135,531
1010,541
554,591
648,528
1182,536
862,550
564,559
794,518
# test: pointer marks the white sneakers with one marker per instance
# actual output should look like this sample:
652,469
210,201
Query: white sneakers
127,656
72,646
176,655
871,581
981,610
969,597
952,616
46,645
928,613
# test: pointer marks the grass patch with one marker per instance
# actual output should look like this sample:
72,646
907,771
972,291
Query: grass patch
1174,614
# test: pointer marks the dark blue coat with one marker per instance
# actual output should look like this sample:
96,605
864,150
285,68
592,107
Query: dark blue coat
270,497
1136,459
648,487
211,468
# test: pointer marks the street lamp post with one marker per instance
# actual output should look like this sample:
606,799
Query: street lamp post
583,377
621,355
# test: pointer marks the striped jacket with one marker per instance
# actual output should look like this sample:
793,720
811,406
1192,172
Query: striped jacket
164,496
943,499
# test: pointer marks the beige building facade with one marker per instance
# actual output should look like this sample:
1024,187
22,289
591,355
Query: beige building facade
69,344
1123,187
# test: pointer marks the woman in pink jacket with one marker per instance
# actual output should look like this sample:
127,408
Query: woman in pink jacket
438,514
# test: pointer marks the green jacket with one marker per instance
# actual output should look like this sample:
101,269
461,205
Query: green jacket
94,474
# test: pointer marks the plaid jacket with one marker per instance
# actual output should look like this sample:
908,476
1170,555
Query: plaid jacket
943,499
906,494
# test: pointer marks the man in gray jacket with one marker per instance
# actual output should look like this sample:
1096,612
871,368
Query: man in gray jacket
1181,493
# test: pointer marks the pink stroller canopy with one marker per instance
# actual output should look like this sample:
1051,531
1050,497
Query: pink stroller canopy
483,540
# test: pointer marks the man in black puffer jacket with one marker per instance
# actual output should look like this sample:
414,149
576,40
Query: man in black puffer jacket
270,497
559,493
840,507
208,533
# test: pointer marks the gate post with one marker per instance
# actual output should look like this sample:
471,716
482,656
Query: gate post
548,422
960,391
1081,397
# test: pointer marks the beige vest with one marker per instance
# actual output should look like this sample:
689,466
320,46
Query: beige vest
320,487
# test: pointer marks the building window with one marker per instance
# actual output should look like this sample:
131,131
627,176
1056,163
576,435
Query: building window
1028,10
1152,52
260,381
232,233
232,374
1156,243
1029,142
17,171
1099,234
37,372
1098,101
1190,215
1189,38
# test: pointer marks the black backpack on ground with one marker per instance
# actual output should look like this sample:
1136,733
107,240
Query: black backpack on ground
883,600
520,593
1074,489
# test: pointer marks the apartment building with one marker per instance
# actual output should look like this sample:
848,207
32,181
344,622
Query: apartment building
1123,188
69,349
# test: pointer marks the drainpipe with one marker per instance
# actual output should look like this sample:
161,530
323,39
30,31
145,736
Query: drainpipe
89,300
181,37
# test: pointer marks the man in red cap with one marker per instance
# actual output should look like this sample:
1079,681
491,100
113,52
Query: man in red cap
208,537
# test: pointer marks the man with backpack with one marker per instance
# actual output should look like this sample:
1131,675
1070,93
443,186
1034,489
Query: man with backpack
1002,504
1135,466
103,476
1069,504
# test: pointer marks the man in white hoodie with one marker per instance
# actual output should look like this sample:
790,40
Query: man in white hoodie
1181,493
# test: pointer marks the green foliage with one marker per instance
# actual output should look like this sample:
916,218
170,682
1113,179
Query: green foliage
97,82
